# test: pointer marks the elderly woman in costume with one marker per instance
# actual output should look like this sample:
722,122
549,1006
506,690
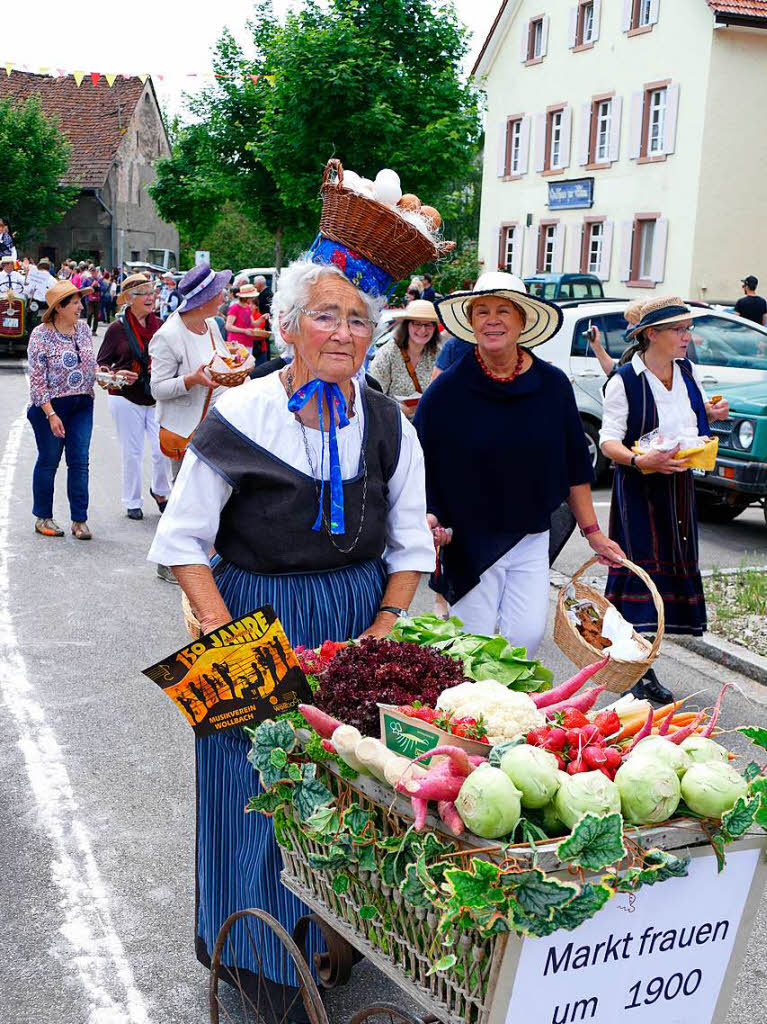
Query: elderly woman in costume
311,489
125,348
504,448
404,364
653,503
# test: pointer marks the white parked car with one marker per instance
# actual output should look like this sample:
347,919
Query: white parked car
727,350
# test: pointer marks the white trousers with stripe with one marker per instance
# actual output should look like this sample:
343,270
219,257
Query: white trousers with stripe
512,596
135,425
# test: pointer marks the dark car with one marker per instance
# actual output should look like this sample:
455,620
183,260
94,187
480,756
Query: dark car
565,286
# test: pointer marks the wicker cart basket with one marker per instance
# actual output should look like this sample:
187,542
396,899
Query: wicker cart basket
617,675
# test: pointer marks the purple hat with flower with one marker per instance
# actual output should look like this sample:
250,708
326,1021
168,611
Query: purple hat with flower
200,284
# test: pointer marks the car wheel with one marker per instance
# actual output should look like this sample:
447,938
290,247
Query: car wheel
714,509
598,462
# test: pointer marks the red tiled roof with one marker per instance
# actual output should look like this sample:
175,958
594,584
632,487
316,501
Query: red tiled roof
94,118
742,8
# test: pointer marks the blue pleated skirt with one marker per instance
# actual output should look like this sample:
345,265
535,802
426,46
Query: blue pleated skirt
238,860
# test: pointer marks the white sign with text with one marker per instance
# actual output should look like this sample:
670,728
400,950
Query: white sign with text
658,956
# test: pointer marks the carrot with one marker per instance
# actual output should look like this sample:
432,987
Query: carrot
688,730
635,722
322,723
717,708
583,702
646,730
450,816
569,688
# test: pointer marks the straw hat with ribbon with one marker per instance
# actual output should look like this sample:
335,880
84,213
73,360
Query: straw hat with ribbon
56,294
542,319
129,284
659,311
247,291
418,309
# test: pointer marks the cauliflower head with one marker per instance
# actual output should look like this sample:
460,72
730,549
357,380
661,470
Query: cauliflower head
506,713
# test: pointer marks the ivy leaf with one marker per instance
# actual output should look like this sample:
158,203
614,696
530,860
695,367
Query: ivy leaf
367,912
741,817
269,738
366,857
752,771
718,843
443,964
413,889
294,772
324,821
757,736
595,842
361,823
658,867
531,832
310,794
340,883
265,803
759,786
476,888
587,903
536,893
433,848
338,856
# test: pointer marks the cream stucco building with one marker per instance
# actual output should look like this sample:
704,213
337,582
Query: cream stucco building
626,138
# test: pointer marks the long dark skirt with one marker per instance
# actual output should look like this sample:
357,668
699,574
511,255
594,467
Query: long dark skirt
654,520
238,860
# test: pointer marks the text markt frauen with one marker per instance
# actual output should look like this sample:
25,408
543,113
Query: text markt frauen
572,958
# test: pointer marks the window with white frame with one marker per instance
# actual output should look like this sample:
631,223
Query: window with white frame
644,13
547,247
515,146
555,138
509,243
603,113
640,15
594,247
536,39
587,22
656,121
645,248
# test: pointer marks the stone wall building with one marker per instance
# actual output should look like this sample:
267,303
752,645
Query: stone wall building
116,135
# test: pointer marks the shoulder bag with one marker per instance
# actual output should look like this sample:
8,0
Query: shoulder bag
175,445
410,370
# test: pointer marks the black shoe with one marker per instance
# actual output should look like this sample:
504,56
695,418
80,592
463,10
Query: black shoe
134,513
650,688
161,502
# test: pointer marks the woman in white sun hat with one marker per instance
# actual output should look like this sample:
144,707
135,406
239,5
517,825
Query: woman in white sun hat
504,447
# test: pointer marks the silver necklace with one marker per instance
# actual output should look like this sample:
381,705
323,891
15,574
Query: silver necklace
318,489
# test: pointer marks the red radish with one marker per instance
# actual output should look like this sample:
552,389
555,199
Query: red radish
477,759
614,757
567,689
322,723
665,725
420,810
688,730
717,708
595,757
327,745
437,785
583,702
644,731
450,816
458,759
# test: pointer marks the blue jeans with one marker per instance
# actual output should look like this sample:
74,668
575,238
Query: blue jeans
76,413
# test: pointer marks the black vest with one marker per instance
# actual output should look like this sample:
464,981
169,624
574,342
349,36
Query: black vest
266,526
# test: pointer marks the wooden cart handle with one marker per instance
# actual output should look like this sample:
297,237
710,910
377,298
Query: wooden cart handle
657,600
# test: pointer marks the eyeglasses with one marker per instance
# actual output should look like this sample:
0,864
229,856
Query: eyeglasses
142,294
429,327
359,326
680,331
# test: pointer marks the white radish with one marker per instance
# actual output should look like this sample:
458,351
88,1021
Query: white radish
345,739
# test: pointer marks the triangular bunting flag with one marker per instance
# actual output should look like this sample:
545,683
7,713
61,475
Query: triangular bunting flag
144,76
95,76
126,77
61,72
110,79
78,77
270,79
254,79
43,71
8,69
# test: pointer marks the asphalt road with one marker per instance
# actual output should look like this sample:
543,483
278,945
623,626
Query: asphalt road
97,801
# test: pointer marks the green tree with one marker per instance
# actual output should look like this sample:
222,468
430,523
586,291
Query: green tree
36,157
375,82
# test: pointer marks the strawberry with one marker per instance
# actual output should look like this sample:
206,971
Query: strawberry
607,722
572,718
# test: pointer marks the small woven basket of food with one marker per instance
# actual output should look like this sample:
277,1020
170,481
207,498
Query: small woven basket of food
617,675
361,222
232,370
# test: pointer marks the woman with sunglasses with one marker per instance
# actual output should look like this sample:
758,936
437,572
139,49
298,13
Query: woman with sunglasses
652,515
62,368
125,350
403,366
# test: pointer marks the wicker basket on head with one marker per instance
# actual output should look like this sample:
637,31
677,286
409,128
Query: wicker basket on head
617,675
375,231
193,627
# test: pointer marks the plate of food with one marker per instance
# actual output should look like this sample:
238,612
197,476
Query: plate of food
110,380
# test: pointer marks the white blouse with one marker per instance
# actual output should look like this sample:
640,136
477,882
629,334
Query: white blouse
676,417
259,409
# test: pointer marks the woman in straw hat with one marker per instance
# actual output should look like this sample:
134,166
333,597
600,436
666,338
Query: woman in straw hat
653,516
125,350
504,447
404,364
311,487
62,368
239,317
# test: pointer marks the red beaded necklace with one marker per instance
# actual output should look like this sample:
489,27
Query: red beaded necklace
497,376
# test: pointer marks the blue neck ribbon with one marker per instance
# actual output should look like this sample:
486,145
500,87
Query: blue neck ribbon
332,396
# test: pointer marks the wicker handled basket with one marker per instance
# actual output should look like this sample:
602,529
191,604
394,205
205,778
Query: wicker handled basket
617,675
363,224
232,379
193,627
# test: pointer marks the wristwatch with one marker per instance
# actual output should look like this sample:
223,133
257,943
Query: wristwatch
586,531
633,462
401,613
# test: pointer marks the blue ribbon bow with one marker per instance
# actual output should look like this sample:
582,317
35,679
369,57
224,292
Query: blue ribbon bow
330,395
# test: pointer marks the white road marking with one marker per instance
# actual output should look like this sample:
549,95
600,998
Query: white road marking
96,955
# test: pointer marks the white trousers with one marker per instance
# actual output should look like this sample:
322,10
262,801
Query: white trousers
512,596
135,424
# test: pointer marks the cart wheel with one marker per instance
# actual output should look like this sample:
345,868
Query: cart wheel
333,967
385,1013
248,997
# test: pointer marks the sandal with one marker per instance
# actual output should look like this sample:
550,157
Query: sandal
161,502
48,528
81,531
